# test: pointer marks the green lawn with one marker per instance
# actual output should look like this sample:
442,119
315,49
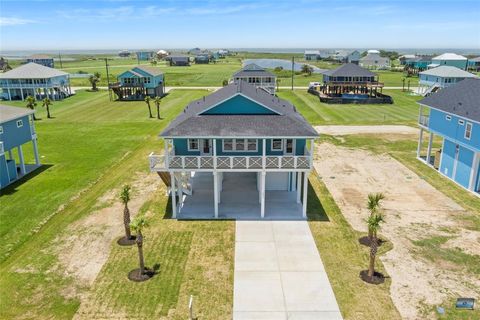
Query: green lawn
403,111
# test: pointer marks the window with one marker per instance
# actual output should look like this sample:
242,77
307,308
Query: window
1,129
461,122
19,123
448,118
468,131
277,145
240,145
193,145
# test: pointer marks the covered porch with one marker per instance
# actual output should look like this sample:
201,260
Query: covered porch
240,197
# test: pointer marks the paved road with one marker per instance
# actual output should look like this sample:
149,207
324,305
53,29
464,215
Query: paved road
216,88
279,273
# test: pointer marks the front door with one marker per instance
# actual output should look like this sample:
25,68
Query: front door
206,147
289,147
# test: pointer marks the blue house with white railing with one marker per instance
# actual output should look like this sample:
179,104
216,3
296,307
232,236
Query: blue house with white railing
139,82
16,130
432,80
238,151
453,114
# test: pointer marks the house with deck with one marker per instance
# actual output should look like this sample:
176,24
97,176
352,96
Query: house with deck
145,55
311,55
16,130
257,76
453,114
350,83
139,82
449,59
432,80
347,56
41,59
417,63
373,60
35,80
237,152
474,64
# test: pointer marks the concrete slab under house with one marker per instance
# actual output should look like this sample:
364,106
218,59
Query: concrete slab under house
454,115
16,129
237,153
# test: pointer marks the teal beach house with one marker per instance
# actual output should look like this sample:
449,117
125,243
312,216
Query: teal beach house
454,115
240,151
138,83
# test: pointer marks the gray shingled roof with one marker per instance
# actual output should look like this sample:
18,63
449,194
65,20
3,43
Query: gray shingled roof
349,70
461,99
32,70
8,113
448,71
252,70
150,70
287,123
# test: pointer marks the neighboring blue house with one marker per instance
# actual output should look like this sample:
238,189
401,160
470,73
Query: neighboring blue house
474,64
35,80
145,55
345,56
432,80
202,58
16,129
139,82
42,59
418,63
257,76
454,114
245,147
311,55
449,59
178,60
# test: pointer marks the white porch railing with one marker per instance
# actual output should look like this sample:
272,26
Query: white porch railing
423,120
160,163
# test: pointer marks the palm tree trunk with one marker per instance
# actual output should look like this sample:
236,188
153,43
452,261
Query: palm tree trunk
150,111
158,111
373,253
48,112
126,221
140,252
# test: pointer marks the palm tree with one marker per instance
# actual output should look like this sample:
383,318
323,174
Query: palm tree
125,197
157,101
307,69
147,101
373,205
138,224
31,104
94,79
46,103
373,223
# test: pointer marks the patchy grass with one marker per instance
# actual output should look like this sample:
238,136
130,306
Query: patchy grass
403,111
344,258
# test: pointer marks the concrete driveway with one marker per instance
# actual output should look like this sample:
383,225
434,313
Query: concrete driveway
279,273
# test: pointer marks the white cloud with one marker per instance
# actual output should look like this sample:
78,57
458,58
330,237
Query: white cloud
11,21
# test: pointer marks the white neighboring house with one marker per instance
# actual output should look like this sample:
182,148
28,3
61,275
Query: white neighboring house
373,60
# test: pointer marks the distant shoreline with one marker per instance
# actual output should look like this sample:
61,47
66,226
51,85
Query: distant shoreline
24,53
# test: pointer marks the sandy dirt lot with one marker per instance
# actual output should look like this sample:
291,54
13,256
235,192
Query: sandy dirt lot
414,210
386,129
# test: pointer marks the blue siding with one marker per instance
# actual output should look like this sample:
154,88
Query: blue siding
448,158
154,81
13,136
462,64
181,148
3,171
453,130
239,105
464,166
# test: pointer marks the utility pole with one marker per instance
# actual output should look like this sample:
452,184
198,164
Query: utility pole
293,69
60,58
108,80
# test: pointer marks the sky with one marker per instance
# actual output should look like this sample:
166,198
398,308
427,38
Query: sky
167,24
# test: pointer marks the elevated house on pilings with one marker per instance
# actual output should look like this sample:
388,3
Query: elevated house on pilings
16,130
35,80
42,59
350,83
238,152
453,114
257,76
139,82
433,80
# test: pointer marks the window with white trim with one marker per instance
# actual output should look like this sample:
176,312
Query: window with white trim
461,122
448,117
468,130
238,145
19,123
193,145
277,145
1,129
